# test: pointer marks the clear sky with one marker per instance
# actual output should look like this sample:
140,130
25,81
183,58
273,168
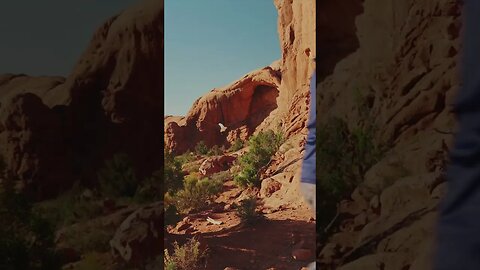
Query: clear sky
211,43
47,37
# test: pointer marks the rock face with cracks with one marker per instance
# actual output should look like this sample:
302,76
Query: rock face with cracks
107,105
400,59
240,107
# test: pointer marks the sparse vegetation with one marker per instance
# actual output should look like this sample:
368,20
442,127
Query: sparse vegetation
151,189
89,238
192,167
173,175
343,157
261,149
237,145
196,193
71,207
171,213
221,176
334,164
186,257
26,238
117,178
201,148
216,151
91,261
183,158
247,213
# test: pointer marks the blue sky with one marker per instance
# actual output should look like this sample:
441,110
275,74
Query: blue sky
47,37
211,43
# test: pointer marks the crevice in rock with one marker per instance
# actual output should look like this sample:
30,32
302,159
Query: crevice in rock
368,246
291,34
410,85
264,101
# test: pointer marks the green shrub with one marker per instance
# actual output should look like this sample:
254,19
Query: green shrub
216,151
151,189
201,148
26,238
186,257
247,175
184,158
193,167
247,213
237,145
117,178
342,159
196,193
261,149
221,176
70,208
91,261
89,239
171,215
173,175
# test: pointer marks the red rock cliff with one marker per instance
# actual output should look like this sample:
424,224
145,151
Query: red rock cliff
269,98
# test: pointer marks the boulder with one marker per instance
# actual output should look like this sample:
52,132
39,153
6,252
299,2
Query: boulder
269,186
140,236
216,164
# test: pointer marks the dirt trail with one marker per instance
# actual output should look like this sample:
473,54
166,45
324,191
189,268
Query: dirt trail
267,244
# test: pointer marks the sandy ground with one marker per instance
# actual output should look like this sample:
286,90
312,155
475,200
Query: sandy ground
268,244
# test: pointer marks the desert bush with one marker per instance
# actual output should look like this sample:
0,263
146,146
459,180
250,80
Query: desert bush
221,176
235,169
186,257
89,238
247,213
171,216
343,157
117,177
261,149
151,189
196,193
192,167
173,175
184,158
237,145
333,163
247,175
201,148
26,238
216,151
91,261
70,207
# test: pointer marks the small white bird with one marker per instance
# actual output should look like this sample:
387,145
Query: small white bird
222,127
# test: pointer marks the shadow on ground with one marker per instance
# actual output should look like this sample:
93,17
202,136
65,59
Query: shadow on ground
267,244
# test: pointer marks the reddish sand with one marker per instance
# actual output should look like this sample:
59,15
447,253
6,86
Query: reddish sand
267,244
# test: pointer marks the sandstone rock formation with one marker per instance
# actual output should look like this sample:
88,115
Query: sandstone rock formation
398,61
34,146
241,107
216,164
107,105
296,28
44,87
115,90
286,106
140,236
283,88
